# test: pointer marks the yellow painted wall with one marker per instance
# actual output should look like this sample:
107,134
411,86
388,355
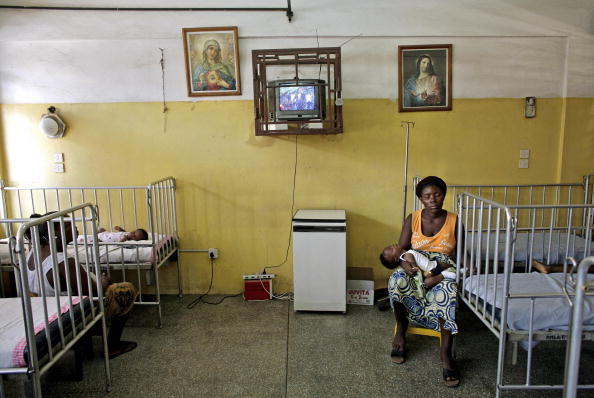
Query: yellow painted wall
235,188
578,151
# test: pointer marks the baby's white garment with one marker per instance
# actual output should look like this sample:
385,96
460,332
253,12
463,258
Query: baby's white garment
423,262
111,237
107,237
427,265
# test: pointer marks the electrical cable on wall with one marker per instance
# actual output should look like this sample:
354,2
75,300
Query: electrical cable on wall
162,62
292,210
359,35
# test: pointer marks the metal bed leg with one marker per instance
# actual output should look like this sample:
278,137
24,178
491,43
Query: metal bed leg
32,387
179,277
105,354
158,290
515,353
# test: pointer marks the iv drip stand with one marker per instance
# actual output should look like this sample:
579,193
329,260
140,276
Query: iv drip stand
407,124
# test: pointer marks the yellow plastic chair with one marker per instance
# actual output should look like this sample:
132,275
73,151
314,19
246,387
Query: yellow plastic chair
421,331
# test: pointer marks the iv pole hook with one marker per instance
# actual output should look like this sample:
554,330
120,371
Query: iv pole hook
406,124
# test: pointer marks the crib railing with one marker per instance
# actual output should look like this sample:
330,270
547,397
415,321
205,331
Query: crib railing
152,207
520,194
572,362
77,300
496,241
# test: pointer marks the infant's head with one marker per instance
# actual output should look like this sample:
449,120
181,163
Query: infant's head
390,256
138,234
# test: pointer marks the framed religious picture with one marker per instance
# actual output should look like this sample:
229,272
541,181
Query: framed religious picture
212,61
425,78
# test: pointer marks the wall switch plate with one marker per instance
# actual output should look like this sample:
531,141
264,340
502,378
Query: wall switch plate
524,153
58,167
523,164
58,157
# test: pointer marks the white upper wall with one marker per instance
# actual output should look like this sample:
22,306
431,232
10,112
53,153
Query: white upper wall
512,48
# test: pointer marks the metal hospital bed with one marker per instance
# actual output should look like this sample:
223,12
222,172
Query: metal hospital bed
39,327
152,207
572,362
525,194
518,305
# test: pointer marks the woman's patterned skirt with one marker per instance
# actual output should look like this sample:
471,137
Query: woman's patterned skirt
439,301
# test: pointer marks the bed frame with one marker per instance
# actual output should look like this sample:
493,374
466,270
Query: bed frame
526,194
481,268
42,354
152,207
572,364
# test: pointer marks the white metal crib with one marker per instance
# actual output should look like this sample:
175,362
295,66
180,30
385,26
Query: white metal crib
39,327
152,205
495,251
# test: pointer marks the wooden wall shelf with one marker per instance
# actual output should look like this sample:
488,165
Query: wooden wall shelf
301,64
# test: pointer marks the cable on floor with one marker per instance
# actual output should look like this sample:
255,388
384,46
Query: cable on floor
201,297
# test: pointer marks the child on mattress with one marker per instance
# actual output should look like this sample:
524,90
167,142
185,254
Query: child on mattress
119,235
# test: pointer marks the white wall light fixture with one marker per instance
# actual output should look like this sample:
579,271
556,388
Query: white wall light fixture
51,125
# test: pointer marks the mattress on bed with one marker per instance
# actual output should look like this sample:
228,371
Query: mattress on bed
539,242
13,342
4,251
141,251
549,313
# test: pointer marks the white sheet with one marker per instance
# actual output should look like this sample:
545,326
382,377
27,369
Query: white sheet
549,313
4,252
12,326
539,244
140,251
109,254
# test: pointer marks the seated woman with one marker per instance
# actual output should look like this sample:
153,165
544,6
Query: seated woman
432,232
120,297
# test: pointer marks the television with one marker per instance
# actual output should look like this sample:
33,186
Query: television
297,99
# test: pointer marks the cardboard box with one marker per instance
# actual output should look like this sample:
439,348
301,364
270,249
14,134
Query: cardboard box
360,286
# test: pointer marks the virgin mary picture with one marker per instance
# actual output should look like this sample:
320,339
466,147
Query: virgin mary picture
425,78
212,61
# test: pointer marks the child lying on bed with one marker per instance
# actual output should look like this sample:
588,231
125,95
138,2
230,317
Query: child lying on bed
552,268
119,235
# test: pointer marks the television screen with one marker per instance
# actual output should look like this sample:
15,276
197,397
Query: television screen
297,98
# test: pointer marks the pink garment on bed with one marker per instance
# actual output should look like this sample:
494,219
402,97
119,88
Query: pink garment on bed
18,358
160,245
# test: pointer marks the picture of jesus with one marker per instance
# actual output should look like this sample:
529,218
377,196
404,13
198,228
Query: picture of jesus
424,78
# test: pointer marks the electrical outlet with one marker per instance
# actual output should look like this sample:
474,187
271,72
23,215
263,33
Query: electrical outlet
213,253
58,158
58,167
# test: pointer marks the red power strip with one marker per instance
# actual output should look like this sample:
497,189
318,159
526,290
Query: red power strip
257,289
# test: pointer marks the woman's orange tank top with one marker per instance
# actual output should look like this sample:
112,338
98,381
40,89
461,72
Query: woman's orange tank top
442,242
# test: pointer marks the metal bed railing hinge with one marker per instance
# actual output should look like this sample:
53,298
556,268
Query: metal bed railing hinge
569,277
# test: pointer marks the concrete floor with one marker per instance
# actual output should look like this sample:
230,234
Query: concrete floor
264,349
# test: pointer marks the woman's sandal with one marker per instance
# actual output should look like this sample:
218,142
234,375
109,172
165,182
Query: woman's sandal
454,377
125,346
397,356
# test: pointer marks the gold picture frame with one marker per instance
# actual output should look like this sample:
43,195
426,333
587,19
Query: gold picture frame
212,61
